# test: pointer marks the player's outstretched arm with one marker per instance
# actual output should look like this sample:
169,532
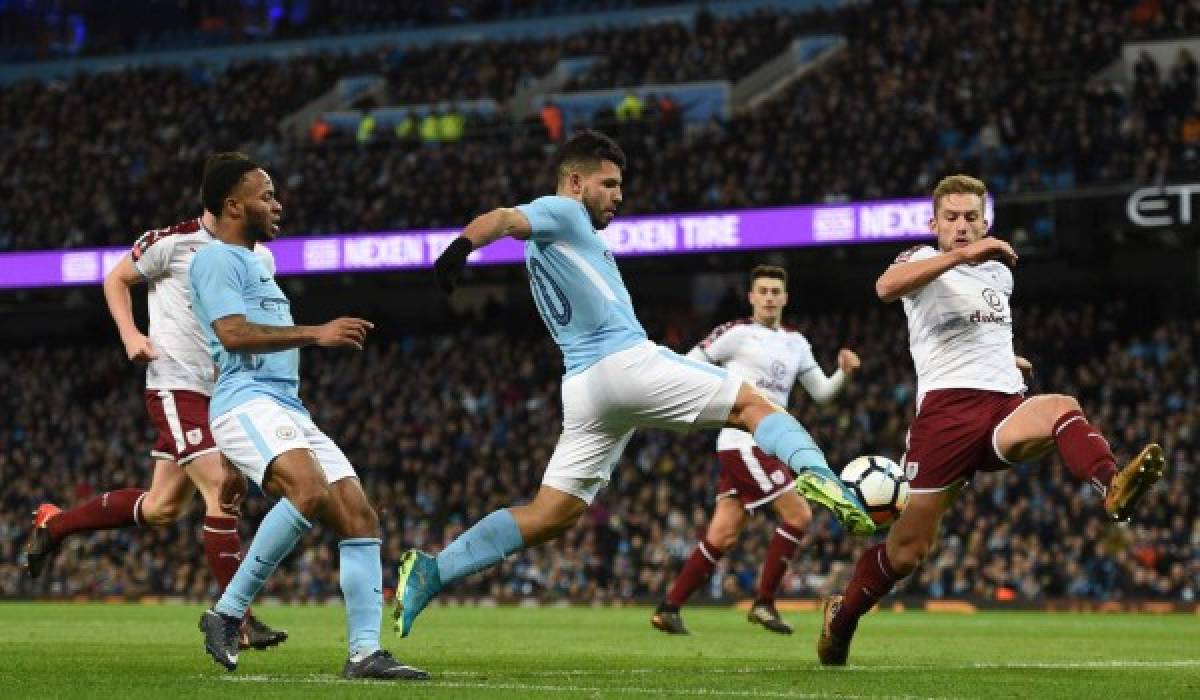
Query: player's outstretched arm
906,277
240,335
482,231
822,388
117,284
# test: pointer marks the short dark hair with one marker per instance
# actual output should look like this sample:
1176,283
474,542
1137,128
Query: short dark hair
216,159
587,149
772,271
220,180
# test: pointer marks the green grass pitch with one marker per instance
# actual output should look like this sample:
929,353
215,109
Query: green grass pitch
150,651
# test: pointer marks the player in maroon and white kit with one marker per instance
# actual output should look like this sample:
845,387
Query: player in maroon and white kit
972,412
179,381
772,358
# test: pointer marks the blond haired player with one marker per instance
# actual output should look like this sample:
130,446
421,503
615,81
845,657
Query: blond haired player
972,411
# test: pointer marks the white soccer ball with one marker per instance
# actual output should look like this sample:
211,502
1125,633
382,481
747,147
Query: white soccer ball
880,484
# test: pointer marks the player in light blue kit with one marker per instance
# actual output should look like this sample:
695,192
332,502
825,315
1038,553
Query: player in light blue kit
261,426
616,380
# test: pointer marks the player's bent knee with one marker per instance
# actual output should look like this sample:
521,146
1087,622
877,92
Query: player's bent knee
798,520
160,513
906,555
1065,404
312,499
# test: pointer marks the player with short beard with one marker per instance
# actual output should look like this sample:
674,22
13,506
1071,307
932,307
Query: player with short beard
262,427
616,379
179,382
972,412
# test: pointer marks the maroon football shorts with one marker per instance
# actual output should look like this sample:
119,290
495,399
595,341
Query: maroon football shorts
753,476
181,419
953,436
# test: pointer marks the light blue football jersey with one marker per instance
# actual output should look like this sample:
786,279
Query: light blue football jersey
576,284
228,280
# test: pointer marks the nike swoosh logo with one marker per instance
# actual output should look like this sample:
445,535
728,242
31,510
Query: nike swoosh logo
264,279
232,555
260,561
377,591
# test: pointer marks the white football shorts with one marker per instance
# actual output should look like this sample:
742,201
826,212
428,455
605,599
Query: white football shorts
256,432
646,386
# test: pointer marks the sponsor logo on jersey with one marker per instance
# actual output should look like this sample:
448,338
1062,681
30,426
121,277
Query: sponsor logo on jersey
980,317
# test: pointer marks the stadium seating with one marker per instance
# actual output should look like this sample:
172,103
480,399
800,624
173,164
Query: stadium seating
83,168
440,440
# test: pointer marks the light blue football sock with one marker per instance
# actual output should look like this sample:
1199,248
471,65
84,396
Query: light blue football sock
362,587
278,533
484,545
782,436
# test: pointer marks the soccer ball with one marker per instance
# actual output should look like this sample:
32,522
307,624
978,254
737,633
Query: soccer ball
880,484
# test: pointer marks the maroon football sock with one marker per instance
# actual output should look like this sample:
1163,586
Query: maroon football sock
222,548
1085,451
873,579
698,569
109,510
779,554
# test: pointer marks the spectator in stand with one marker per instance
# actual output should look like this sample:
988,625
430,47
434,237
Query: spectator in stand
418,437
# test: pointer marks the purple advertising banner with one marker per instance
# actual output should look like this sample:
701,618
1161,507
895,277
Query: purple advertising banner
668,234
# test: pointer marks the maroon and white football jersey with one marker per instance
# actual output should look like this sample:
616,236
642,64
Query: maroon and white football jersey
960,328
770,359
163,256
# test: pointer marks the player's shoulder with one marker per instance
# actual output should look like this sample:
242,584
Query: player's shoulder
794,333
217,253
166,236
558,205
263,253
727,329
917,252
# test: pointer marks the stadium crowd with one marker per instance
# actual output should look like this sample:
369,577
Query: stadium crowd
445,428
884,118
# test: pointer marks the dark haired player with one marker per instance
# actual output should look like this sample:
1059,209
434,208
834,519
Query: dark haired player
772,357
179,382
972,412
616,380
262,427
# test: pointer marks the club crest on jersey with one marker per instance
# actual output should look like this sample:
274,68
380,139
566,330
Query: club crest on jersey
993,299
285,432
778,370
910,470
194,436
778,477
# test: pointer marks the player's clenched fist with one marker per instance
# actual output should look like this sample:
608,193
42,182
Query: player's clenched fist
848,361
344,332
989,248
140,350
